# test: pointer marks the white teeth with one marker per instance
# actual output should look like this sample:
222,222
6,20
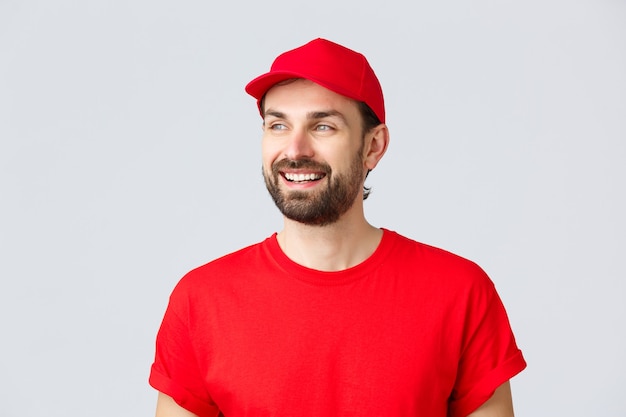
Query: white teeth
302,177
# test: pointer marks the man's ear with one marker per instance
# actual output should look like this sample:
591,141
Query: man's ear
376,142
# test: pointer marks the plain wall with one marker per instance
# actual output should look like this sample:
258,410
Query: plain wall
130,154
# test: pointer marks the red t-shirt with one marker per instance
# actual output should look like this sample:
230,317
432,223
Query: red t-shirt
411,331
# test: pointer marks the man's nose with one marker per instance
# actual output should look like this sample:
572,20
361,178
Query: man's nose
299,145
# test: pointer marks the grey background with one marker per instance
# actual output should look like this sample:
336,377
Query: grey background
129,154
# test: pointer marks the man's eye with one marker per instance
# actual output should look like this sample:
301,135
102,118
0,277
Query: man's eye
323,128
278,126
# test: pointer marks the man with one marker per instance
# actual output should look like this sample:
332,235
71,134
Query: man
332,316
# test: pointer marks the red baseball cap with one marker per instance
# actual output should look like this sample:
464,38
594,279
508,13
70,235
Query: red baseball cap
330,65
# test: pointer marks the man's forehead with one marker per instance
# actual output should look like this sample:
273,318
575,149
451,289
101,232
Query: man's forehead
305,96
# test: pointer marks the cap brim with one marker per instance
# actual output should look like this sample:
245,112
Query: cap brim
261,84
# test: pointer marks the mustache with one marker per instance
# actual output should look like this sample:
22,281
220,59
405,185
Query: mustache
300,164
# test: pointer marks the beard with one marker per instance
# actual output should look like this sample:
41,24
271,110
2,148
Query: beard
317,207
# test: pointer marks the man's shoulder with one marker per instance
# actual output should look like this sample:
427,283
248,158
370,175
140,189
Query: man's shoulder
422,250
434,260
230,265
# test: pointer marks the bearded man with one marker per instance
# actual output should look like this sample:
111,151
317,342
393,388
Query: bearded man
332,316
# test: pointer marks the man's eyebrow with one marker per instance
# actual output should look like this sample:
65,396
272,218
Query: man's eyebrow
275,113
315,115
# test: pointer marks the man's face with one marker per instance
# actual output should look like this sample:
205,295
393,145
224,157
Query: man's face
312,152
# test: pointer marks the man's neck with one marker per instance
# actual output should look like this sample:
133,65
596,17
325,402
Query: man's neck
334,247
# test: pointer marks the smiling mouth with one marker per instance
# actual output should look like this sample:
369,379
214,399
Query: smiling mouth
302,178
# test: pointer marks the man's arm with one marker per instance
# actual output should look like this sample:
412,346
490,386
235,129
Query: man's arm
167,407
499,405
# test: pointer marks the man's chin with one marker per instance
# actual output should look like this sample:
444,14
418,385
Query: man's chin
298,196
312,221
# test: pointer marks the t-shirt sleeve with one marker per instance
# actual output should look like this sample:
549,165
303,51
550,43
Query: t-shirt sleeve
175,370
489,353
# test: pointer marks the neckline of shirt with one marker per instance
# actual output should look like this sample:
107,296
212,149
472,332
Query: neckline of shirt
317,277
